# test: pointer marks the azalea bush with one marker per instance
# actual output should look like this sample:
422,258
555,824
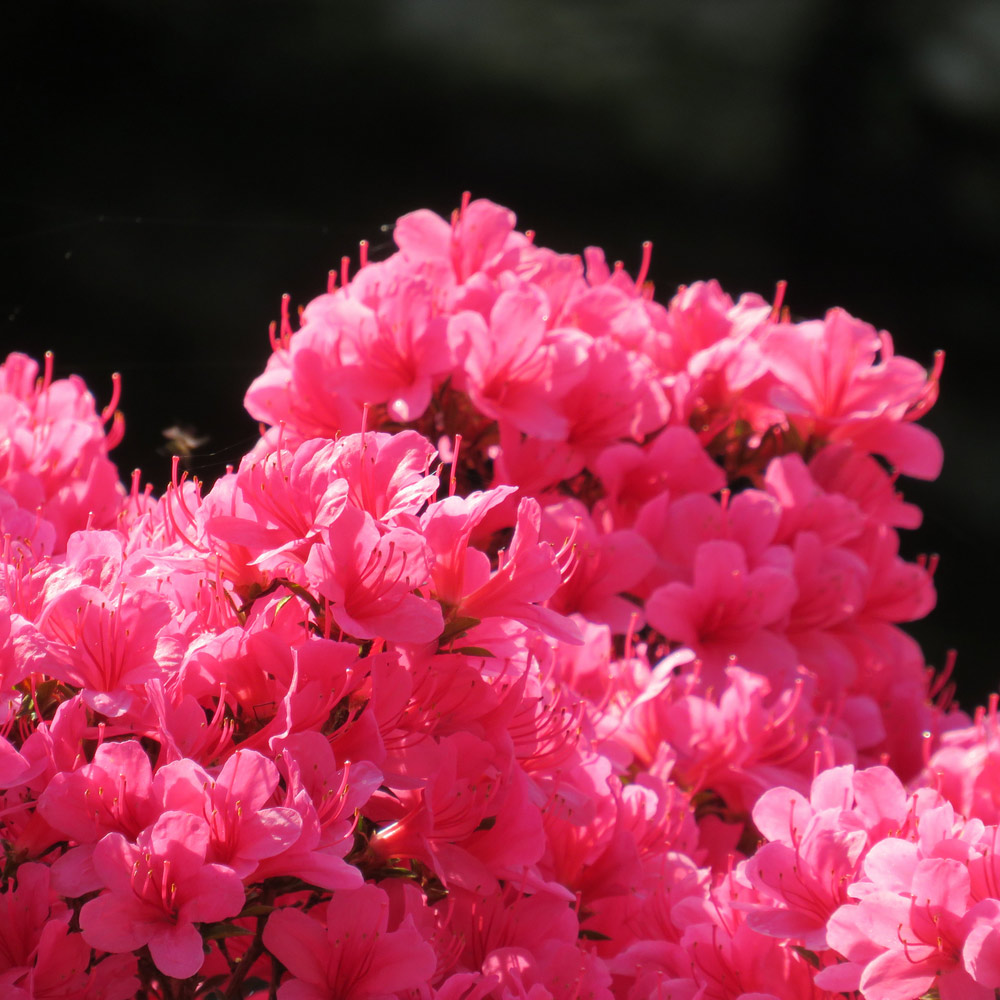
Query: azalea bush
546,645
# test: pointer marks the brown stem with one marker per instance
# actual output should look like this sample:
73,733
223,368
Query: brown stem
243,969
276,970
255,950
225,954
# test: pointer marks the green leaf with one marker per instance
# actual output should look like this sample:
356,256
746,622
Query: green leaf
394,872
223,929
810,956
457,627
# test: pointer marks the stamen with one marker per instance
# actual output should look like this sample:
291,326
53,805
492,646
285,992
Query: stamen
453,476
47,377
647,253
116,394
286,324
779,298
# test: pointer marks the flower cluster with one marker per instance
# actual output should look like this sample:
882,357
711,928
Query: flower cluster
545,646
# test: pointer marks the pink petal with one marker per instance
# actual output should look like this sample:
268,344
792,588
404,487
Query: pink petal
117,923
896,976
300,944
177,950
218,893
779,812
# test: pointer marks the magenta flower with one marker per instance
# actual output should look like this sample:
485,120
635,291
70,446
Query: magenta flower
675,464
529,575
244,828
840,381
474,241
105,644
24,914
383,340
517,369
111,794
54,451
323,728
604,567
729,609
918,936
370,577
386,474
354,956
158,888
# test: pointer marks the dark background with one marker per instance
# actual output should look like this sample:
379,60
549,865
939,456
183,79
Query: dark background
173,168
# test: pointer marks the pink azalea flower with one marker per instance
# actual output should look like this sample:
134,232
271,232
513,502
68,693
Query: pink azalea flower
294,391
834,386
389,343
806,506
616,399
605,566
738,743
447,527
53,449
53,747
325,798
516,368
387,474
441,822
352,955
919,935
528,576
288,496
674,463
105,645
182,729
535,465
729,610
370,576
477,236
158,888
111,794
843,470
25,912
244,828
815,852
